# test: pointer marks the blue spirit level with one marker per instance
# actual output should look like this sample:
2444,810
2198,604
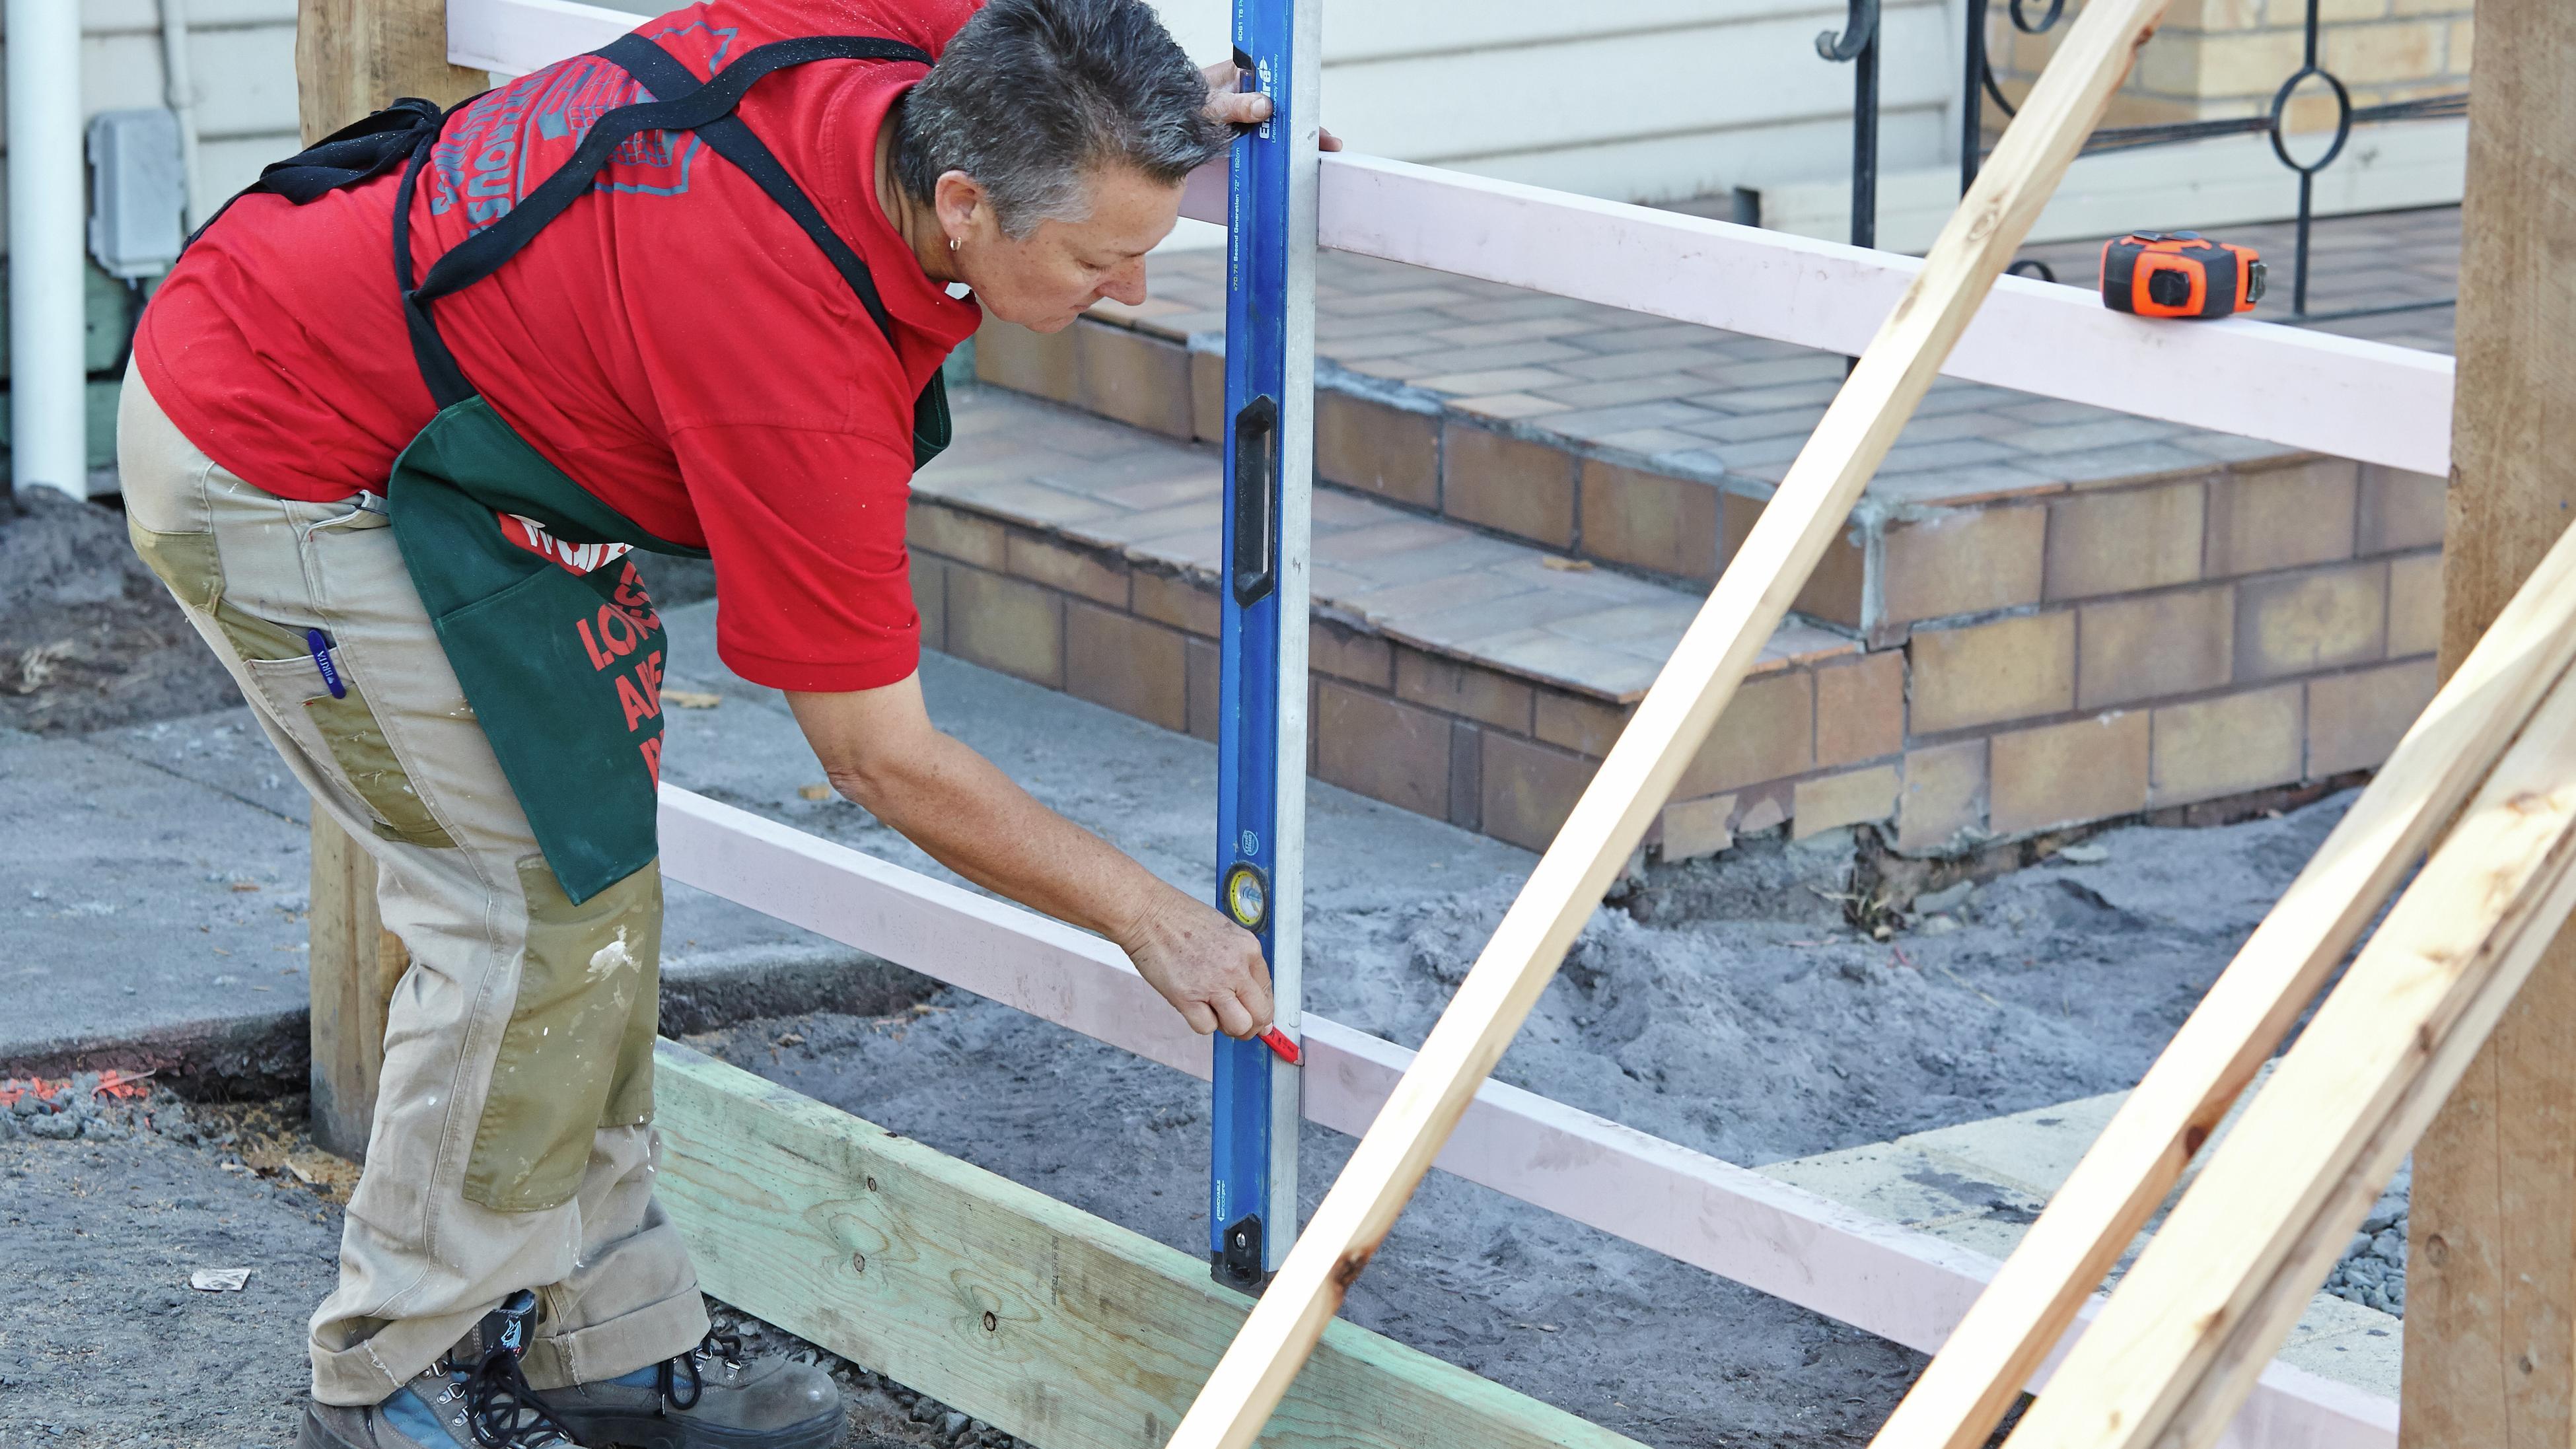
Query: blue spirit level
1261,691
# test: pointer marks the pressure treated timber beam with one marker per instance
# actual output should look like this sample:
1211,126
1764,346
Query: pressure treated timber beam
2226,1277
1057,1326
2124,1176
1783,1240
1670,724
2491,1267
2287,385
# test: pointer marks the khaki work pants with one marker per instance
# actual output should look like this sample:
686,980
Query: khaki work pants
512,1145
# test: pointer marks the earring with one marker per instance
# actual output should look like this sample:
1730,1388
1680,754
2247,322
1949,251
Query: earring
952,243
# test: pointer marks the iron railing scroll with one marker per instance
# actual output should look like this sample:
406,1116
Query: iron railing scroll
1857,45
1979,86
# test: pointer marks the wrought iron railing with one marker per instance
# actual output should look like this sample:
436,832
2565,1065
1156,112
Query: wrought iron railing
1858,42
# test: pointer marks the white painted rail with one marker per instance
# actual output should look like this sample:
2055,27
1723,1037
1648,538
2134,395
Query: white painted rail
2303,389
2286,385
1783,1240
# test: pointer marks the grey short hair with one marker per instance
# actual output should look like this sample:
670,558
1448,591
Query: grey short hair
1031,94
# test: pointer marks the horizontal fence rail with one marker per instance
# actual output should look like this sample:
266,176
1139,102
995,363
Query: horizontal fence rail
2302,389
1783,1240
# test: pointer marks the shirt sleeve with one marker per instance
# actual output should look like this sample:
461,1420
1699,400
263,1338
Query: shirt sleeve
813,586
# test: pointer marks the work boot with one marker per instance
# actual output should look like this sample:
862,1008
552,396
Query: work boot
474,1397
707,1398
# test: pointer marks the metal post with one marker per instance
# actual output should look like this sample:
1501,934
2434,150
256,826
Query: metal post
2307,178
1858,44
1261,733
48,371
1972,98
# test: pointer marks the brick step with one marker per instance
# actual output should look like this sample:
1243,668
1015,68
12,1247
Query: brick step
1478,679
1653,446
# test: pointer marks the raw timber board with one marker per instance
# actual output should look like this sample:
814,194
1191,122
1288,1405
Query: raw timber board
1611,817
1059,1327
2222,1282
1895,1282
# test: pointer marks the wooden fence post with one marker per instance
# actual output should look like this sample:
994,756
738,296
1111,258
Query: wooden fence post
2491,1262
351,57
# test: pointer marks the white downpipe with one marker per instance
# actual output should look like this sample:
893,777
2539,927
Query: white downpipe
179,89
49,446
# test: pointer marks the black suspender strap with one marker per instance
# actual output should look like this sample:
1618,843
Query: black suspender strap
701,106
728,137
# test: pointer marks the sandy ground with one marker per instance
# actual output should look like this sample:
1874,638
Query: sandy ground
104,1343
1757,1026
1732,1005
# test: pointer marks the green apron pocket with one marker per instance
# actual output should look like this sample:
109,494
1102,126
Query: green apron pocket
578,1052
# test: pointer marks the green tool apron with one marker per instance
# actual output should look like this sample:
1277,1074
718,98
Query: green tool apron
522,569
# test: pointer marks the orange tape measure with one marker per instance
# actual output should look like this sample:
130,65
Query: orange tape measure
2179,274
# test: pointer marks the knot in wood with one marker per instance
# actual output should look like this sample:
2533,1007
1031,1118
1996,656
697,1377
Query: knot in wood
991,1323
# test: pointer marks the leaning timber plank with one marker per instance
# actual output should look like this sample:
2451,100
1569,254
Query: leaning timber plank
1052,1324
2139,1157
2224,1280
2288,385
1795,1245
1671,723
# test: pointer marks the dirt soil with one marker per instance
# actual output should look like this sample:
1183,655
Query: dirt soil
89,639
1766,1004
106,1211
1753,1021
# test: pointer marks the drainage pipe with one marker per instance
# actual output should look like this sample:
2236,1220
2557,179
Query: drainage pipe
48,376
179,89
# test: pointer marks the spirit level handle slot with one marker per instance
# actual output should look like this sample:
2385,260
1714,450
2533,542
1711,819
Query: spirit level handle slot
1256,490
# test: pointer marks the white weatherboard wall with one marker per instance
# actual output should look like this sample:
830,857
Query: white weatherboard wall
1644,100
243,56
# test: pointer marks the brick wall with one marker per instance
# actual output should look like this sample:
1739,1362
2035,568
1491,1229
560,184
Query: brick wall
2180,653
2214,59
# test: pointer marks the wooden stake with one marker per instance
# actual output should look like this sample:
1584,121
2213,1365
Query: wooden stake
351,57
354,56
355,963
2491,1268
2139,1157
2170,1357
1670,724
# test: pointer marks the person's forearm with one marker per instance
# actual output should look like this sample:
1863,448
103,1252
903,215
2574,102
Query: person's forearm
973,819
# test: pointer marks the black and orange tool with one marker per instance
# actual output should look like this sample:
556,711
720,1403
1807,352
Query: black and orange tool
2179,274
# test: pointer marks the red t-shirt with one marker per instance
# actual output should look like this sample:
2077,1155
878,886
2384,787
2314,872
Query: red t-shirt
673,341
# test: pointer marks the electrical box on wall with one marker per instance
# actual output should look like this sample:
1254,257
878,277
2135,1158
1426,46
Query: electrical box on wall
138,192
